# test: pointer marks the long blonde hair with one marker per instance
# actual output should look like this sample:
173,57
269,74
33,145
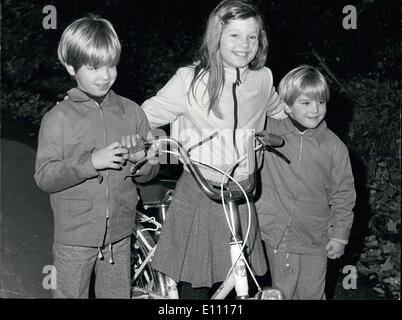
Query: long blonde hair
209,58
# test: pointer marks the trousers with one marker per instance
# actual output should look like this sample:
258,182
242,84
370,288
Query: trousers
75,265
297,276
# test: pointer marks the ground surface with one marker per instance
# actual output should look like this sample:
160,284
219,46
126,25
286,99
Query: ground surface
26,224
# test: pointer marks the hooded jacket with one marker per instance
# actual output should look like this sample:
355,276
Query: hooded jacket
310,200
81,197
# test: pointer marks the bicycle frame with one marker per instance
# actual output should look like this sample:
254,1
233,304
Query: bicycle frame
237,279
238,276
163,282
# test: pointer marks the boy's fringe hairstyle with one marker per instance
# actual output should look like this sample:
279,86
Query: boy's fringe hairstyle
305,80
209,58
89,41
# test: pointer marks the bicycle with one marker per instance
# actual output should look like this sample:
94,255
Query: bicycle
150,283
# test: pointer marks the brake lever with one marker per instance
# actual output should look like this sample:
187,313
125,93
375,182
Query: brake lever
270,148
279,154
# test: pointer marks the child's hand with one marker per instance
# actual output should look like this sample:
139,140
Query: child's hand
110,157
334,249
132,141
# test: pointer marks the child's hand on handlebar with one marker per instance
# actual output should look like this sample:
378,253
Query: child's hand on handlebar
110,157
135,148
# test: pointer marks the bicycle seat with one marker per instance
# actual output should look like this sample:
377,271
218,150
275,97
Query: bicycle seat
154,194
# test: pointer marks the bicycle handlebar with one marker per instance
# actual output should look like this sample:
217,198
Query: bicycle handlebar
263,137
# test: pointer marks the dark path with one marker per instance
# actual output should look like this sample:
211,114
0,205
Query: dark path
26,225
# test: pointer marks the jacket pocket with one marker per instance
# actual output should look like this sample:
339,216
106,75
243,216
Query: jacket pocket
80,206
310,224
268,215
71,206
72,214
127,202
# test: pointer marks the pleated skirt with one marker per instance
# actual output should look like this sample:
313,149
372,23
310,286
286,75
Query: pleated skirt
194,244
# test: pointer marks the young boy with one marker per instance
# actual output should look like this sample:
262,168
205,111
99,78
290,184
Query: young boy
305,209
82,164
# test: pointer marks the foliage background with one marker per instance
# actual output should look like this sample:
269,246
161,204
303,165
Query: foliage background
362,66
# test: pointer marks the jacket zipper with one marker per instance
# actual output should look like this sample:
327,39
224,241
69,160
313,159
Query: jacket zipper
297,197
236,110
301,149
100,255
106,172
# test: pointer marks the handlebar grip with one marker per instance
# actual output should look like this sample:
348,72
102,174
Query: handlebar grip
270,138
141,145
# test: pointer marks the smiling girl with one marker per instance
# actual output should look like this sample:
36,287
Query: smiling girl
225,92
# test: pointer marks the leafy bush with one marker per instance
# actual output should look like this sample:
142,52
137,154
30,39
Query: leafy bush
375,136
374,130
24,105
380,259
